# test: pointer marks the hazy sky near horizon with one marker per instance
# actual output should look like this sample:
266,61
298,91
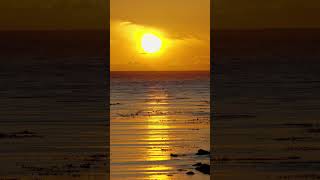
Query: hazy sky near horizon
182,25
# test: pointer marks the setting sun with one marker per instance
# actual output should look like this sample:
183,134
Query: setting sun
150,43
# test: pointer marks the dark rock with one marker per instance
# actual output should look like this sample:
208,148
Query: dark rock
190,173
174,155
202,152
197,164
204,168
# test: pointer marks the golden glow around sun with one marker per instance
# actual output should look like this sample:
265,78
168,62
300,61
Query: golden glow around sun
150,43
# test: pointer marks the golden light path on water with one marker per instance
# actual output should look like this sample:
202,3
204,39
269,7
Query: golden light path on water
158,135
154,118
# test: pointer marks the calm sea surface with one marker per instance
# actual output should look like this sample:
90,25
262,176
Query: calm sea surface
267,121
153,115
53,119
266,88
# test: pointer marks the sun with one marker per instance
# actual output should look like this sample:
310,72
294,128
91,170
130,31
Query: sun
150,43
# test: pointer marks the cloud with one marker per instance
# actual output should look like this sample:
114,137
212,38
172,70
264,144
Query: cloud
175,36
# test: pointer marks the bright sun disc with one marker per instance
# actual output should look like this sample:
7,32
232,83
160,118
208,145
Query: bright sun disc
151,43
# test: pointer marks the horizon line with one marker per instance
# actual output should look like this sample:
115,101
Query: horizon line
163,71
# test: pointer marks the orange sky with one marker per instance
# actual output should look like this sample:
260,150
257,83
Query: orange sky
182,25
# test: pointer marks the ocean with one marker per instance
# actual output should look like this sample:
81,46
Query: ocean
53,101
266,105
159,120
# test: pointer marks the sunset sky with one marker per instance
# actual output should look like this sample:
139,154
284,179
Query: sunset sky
92,14
182,27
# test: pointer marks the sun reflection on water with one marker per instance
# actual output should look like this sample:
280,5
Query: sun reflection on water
157,139
158,172
159,177
158,135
